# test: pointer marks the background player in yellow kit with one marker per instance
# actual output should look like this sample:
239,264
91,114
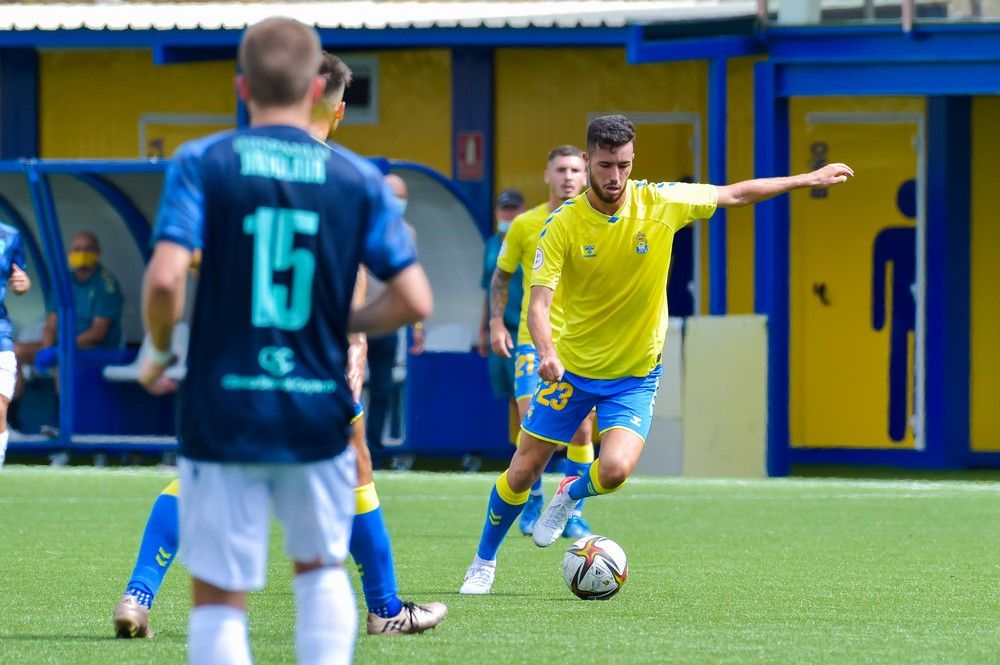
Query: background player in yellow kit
565,176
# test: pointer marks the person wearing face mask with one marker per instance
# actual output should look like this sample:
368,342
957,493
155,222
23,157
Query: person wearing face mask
510,204
97,301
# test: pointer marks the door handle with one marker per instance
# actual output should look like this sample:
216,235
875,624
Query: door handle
820,291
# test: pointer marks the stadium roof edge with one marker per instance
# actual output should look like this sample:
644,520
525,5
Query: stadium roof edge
367,14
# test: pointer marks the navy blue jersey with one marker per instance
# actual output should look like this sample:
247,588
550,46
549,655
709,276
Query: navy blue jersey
283,222
11,254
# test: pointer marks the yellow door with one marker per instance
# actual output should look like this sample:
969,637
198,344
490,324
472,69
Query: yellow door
854,310
668,148
985,276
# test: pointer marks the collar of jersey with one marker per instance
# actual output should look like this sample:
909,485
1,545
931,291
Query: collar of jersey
597,215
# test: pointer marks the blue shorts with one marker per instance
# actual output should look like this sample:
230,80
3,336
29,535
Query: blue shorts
525,371
359,411
557,409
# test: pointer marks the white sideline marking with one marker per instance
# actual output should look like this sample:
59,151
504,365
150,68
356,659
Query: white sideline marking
737,483
74,500
849,488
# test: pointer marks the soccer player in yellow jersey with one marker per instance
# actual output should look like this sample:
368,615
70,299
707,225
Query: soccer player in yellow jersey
609,251
565,176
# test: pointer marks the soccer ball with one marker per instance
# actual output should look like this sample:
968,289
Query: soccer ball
595,568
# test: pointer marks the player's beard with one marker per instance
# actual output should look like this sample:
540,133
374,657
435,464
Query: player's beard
601,193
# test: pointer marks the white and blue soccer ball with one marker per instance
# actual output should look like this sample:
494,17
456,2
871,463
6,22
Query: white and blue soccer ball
595,568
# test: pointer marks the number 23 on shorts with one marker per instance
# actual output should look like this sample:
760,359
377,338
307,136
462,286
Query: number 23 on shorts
555,395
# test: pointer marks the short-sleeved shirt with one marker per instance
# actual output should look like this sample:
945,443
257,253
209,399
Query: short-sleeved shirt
99,296
11,254
515,290
613,274
518,253
283,222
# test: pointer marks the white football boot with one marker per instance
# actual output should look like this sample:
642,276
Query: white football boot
479,578
553,520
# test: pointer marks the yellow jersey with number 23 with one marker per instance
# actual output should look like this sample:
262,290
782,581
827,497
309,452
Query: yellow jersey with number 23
612,274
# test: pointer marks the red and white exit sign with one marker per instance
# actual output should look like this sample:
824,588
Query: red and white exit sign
471,157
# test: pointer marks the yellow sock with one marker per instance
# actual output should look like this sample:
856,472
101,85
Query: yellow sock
595,480
509,495
366,498
580,454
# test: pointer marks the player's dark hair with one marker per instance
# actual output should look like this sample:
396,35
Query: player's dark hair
564,151
279,58
337,74
610,132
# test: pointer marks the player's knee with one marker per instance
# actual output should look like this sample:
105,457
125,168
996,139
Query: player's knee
613,473
521,477
524,471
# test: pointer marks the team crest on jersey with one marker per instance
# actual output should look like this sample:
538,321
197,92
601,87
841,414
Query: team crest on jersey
641,247
590,251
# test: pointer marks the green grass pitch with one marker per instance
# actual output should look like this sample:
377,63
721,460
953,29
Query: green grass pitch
762,571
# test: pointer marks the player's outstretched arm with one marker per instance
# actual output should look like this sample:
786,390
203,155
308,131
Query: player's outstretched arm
752,191
500,338
549,366
407,300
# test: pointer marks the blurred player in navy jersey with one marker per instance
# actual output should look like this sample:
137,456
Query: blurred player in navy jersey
284,225
369,546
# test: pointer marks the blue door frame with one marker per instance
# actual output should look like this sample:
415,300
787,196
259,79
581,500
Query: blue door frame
947,64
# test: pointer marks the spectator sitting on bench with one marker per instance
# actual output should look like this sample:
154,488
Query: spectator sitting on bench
97,299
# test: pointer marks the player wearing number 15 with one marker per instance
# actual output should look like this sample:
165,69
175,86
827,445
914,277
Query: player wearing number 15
283,224
608,251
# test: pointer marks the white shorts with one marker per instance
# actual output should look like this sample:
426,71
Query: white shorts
225,516
8,373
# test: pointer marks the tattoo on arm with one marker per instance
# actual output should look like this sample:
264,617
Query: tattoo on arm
498,293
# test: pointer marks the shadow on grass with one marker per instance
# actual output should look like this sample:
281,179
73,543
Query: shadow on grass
86,638
494,594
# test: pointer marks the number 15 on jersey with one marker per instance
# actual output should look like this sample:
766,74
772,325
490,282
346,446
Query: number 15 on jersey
273,231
